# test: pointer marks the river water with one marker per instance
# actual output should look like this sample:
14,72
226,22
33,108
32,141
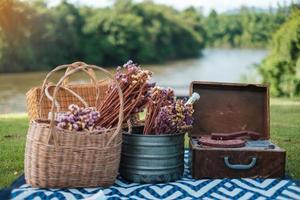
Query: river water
226,65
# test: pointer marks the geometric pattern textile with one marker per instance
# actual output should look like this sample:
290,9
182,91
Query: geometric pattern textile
186,188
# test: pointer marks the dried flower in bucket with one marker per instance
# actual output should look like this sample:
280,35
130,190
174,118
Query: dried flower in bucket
135,85
159,97
173,116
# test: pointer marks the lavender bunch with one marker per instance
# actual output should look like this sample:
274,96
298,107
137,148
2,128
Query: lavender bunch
131,74
135,85
164,96
79,119
158,98
174,118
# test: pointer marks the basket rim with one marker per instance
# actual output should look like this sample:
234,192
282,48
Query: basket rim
46,125
158,135
102,82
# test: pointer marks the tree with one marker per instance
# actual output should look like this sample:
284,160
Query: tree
35,37
65,31
281,69
14,22
145,32
246,27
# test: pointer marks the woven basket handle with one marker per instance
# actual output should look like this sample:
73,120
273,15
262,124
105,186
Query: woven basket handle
89,71
58,68
57,105
121,113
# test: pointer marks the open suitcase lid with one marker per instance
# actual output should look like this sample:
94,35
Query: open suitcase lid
230,107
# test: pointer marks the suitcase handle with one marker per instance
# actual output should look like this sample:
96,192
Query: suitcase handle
240,166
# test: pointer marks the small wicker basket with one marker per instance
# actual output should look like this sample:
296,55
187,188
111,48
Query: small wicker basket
39,107
61,158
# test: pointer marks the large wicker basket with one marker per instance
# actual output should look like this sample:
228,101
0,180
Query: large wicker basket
61,158
38,107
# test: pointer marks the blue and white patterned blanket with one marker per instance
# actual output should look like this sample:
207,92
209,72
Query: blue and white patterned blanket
186,188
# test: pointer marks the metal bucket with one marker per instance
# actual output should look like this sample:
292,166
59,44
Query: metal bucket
152,158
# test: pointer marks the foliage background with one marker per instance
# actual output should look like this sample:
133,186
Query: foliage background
281,69
34,36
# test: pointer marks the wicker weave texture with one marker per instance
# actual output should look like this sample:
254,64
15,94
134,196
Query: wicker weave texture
88,164
62,158
39,108
86,91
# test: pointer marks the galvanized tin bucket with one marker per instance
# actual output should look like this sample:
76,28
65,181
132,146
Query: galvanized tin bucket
152,158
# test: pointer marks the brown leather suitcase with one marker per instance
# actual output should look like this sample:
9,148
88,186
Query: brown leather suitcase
231,107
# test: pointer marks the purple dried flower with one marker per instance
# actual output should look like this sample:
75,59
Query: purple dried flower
130,62
78,118
173,117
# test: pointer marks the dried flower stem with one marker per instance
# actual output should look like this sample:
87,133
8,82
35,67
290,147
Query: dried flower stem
134,85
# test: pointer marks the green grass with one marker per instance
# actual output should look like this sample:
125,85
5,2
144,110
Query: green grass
12,143
285,131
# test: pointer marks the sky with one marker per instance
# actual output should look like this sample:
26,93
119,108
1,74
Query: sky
206,5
